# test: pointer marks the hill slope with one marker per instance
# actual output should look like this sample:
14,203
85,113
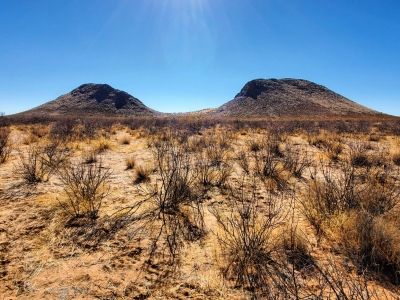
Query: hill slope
95,100
289,98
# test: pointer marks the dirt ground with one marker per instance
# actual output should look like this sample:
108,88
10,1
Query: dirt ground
47,254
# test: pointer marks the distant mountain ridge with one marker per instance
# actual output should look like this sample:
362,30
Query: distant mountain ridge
259,98
95,100
289,98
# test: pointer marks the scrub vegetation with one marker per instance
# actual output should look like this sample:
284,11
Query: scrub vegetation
199,208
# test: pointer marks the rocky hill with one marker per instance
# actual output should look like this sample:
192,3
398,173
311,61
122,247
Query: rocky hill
289,98
260,98
95,100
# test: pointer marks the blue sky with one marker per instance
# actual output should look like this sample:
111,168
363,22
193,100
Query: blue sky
185,55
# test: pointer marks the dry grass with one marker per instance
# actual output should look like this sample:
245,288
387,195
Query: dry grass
229,210
396,158
5,145
125,140
142,173
130,162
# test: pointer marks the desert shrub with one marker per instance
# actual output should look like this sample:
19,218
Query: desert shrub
335,282
173,207
350,208
225,138
142,173
40,130
372,242
297,247
89,128
32,167
30,139
216,154
103,144
63,130
254,145
250,249
89,156
125,140
243,161
85,186
396,158
5,146
268,166
210,174
359,156
296,161
334,149
327,197
130,162
55,155
4,121
197,144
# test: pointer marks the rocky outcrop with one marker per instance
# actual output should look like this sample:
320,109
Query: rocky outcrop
289,98
95,100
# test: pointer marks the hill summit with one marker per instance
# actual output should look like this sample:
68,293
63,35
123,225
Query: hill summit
95,100
289,98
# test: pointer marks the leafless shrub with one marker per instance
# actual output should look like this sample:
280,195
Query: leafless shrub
225,138
296,161
335,282
211,174
197,144
243,161
352,206
268,166
4,121
63,130
5,146
172,211
40,130
216,154
55,155
248,242
359,156
297,248
328,196
85,187
31,167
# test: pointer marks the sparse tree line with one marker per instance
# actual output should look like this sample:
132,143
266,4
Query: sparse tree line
347,188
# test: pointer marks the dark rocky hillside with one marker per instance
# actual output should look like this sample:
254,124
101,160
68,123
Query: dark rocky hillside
260,98
289,98
95,100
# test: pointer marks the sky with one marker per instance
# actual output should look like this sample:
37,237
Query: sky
186,55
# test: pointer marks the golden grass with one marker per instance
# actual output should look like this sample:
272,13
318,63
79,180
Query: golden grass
105,255
130,162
